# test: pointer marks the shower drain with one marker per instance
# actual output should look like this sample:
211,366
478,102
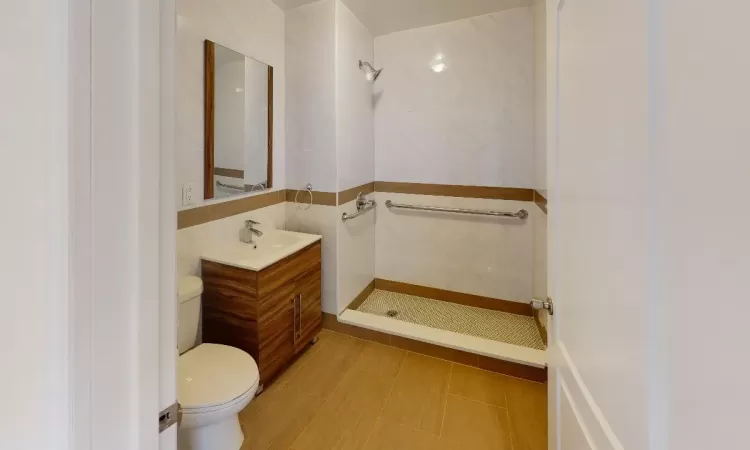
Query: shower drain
392,313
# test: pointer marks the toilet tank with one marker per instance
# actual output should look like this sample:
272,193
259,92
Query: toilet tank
189,293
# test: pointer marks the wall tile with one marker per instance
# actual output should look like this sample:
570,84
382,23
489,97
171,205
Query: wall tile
471,124
478,255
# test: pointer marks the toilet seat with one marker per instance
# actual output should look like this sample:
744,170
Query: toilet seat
214,377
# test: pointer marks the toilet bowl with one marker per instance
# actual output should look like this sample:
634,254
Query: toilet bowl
215,382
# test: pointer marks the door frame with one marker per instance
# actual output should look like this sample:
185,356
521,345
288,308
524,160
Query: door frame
123,223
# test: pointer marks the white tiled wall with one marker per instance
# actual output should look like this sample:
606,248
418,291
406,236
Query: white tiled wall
310,107
192,241
355,153
254,28
322,220
539,221
471,124
356,243
478,255
354,100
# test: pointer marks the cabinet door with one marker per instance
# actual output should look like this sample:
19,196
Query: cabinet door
308,290
275,331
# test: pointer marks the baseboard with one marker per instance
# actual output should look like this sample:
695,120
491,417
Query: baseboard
540,328
537,373
461,298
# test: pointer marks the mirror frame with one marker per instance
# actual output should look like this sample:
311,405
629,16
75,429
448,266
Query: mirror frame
209,111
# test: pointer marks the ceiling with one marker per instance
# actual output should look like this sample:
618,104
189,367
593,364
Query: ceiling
387,16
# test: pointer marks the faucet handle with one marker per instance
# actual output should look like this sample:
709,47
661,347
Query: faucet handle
250,222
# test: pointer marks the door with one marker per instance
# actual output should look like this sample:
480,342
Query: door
309,313
597,233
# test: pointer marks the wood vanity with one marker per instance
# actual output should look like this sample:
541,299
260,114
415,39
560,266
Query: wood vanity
272,314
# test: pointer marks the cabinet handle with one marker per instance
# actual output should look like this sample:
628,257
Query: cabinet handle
294,318
300,315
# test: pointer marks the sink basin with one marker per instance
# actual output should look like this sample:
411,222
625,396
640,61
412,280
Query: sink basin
268,249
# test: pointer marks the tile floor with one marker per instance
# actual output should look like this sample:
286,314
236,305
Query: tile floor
496,325
348,393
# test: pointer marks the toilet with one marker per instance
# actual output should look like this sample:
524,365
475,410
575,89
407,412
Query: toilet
215,382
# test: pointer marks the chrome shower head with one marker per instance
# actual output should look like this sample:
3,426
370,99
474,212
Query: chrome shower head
370,72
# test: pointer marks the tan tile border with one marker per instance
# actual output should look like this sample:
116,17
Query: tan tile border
351,194
362,296
449,190
330,322
495,304
540,201
209,213
318,197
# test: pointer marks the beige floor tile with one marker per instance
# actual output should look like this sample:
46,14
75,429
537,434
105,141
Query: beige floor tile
322,372
331,426
418,397
527,408
362,391
362,432
278,419
392,436
381,359
473,425
478,384
293,368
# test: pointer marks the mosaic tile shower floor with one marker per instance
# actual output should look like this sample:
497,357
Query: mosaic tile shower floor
495,325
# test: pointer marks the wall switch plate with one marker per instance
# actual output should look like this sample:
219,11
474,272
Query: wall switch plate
188,194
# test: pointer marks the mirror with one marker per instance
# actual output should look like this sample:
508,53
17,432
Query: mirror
239,123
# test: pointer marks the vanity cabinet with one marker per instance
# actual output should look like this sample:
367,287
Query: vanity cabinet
272,314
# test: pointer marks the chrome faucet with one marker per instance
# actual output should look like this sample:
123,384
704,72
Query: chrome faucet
246,234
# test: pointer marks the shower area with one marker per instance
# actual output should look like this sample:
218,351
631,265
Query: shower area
430,133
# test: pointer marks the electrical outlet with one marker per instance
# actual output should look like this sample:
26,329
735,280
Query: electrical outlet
188,194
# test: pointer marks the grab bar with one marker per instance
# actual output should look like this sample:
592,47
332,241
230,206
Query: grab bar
229,186
521,214
363,205
370,205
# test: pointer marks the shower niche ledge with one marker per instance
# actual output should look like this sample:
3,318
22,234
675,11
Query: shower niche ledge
471,344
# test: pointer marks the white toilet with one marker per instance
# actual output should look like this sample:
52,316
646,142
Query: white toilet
215,382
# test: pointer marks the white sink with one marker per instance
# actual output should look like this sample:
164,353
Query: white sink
268,249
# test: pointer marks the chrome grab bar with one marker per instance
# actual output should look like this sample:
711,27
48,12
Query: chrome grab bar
363,205
521,214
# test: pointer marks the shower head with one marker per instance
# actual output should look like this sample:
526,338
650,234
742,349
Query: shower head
370,72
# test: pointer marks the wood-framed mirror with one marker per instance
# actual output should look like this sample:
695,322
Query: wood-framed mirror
238,155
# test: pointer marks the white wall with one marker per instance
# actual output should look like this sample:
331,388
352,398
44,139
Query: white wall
311,106
473,123
539,10
486,256
354,153
311,129
254,28
699,157
34,133
354,102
